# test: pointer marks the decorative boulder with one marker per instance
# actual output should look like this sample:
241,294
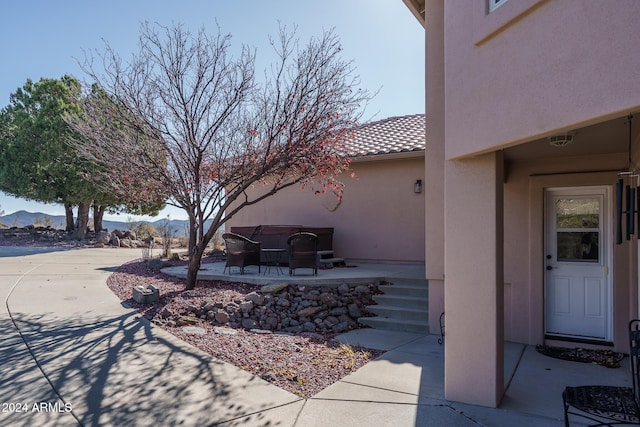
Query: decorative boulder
103,237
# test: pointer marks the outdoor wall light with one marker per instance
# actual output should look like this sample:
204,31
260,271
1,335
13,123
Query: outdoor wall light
417,187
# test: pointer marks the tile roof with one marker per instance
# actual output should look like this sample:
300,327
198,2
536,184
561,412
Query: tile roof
401,134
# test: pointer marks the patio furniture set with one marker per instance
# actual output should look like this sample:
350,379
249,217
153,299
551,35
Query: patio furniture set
301,252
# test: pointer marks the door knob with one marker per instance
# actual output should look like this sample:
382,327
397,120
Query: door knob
549,268
548,256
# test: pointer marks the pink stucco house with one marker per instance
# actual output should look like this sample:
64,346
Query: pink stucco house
527,136
381,214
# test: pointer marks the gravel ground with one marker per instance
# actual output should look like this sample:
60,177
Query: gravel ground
303,364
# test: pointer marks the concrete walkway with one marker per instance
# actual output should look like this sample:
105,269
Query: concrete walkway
72,354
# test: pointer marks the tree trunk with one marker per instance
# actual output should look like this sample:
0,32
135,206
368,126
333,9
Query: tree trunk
83,220
195,260
201,228
68,211
195,255
98,213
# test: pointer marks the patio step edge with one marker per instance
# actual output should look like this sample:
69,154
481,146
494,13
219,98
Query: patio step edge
395,324
401,313
402,301
405,290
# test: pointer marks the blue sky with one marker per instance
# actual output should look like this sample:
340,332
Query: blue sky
46,38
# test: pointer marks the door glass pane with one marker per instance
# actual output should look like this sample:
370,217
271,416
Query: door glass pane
578,246
578,213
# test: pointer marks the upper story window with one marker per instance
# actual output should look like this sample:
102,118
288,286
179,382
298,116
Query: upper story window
494,4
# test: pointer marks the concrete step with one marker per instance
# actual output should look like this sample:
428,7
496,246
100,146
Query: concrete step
404,306
400,301
406,289
333,262
325,254
403,313
326,259
420,327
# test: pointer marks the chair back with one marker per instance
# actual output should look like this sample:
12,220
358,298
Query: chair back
233,243
303,251
634,356
302,243
236,243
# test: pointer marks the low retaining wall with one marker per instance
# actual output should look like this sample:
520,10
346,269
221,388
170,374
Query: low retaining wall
287,308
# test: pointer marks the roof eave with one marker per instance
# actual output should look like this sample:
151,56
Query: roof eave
388,156
417,9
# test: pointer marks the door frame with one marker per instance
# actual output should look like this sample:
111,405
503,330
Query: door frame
606,245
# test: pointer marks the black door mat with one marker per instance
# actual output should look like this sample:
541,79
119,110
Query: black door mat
608,358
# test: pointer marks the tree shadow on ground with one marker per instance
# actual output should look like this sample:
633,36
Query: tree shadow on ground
120,371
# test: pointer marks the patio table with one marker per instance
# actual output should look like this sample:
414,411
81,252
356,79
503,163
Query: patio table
273,258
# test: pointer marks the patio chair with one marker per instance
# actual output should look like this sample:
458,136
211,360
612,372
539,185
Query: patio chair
303,252
609,405
241,252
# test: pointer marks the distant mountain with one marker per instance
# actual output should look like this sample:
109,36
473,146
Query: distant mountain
23,218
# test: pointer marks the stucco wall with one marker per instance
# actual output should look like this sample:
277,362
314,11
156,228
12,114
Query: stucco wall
380,216
524,243
535,67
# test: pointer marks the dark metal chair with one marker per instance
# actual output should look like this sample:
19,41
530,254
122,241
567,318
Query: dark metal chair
303,252
241,252
609,405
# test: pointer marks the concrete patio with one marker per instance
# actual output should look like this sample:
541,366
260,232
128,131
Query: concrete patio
355,272
412,372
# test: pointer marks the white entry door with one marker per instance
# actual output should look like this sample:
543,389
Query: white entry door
577,255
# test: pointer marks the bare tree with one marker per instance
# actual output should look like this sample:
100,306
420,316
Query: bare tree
193,121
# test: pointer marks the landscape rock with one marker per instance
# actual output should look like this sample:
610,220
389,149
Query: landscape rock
354,311
194,330
273,289
260,331
224,331
222,317
255,298
249,324
339,310
246,306
329,299
187,320
362,289
115,241
283,302
309,311
284,308
341,327
103,237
